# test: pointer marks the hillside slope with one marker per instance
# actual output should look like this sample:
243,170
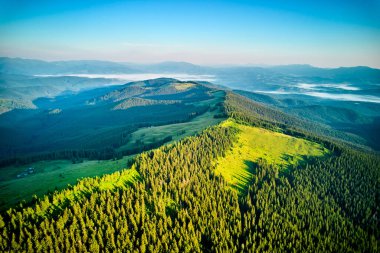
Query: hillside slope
181,204
357,122
94,123
254,144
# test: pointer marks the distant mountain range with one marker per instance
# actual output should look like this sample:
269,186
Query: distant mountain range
21,66
251,78
17,76
38,67
346,98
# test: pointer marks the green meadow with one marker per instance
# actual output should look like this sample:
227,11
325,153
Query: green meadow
255,143
150,135
50,176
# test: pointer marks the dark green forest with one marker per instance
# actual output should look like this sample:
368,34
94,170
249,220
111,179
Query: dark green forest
94,124
179,203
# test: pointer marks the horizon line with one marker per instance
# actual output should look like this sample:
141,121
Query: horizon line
216,65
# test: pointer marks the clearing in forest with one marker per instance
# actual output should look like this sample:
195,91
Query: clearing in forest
253,143
50,176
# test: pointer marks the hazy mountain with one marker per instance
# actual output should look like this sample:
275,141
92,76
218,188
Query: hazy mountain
38,67
19,91
161,89
358,84
245,75
342,74
172,67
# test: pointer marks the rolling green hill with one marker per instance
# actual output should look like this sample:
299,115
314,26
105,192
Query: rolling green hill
135,102
302,188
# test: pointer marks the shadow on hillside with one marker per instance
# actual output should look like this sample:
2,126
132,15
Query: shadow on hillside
244,180
298,162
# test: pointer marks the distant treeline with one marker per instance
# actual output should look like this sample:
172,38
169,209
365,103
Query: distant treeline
77,156
104,153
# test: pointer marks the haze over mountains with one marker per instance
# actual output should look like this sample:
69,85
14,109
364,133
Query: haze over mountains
350,95
355,81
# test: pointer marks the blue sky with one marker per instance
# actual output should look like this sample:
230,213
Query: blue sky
322,33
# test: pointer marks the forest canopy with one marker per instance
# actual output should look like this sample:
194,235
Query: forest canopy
177,202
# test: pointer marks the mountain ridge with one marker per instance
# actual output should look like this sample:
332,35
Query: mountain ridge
165,66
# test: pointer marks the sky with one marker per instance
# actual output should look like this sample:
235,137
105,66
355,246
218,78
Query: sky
325,33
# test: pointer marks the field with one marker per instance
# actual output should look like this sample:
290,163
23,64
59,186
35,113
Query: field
150,135
253,143
50,176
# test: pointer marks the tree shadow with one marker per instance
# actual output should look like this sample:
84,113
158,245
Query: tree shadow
244,180
298,162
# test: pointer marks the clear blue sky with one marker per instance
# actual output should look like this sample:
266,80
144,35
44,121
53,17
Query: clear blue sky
322,33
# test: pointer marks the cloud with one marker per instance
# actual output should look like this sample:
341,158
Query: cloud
325,95
345,97
314,86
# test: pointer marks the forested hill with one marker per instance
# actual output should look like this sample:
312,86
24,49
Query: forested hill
269,117
98,123
173,200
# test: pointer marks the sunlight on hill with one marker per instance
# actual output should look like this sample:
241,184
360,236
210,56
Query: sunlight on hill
254,143
183,86
50,176
177,131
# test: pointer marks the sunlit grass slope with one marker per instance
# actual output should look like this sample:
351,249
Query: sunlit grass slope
50,176
183,86
254,143
85,187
